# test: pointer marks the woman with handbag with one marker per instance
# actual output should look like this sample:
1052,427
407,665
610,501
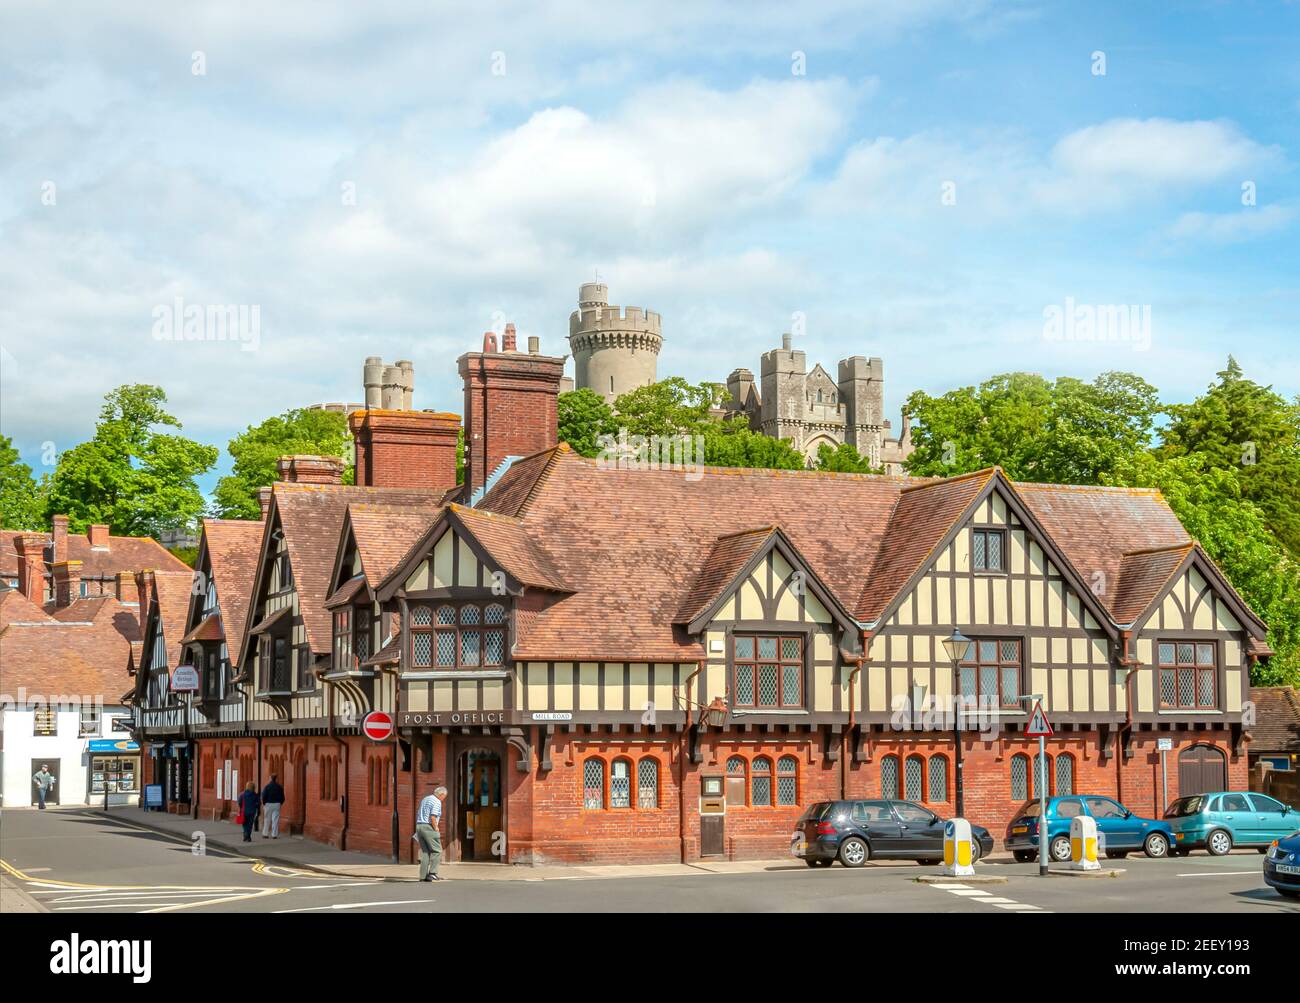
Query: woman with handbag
249,806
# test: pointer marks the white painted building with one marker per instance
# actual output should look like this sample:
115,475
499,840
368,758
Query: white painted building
84,750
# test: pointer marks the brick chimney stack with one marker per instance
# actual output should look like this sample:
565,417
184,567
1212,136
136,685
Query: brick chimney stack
143,587
31,566
98,535
125,585
510,404
264,499
303,469
59,535
67,582
397,447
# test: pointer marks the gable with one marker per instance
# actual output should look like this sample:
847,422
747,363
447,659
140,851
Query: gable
774,586
451,563
1192,603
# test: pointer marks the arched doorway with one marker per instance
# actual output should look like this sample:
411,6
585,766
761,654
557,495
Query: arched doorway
1201,768
480,803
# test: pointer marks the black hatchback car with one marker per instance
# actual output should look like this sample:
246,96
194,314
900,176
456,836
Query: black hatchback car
854,832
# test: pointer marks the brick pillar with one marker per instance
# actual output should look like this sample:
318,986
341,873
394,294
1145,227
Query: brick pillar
31,566
310,469
510,405
405,449
67,582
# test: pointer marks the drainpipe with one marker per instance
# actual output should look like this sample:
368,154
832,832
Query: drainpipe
682,757
329,732
853,705
397,752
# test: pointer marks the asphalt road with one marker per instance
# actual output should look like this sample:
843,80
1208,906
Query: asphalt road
73,862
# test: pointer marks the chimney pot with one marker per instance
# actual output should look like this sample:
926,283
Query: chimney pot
786,341
534,344
489,343
508,339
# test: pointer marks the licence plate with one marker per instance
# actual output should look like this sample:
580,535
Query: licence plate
1288,868
1016,830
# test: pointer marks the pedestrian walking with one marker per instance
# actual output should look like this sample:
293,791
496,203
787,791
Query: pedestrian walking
272,799
44,781
427,819
249,806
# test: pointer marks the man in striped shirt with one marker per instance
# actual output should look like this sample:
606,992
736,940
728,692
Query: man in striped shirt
427,818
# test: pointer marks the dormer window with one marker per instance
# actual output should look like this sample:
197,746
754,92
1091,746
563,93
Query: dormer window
458,636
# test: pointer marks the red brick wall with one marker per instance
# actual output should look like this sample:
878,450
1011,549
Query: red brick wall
212,754
405,449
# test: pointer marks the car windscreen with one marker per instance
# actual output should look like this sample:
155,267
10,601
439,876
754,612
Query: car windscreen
1185,806
1030,810
815,811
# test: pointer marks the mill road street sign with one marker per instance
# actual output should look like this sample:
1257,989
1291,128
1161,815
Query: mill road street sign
377,726
1039,726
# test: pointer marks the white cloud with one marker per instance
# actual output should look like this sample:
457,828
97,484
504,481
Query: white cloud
1230,227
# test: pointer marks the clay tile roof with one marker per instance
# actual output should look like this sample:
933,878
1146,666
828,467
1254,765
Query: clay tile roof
511,492
921,519
384,533
172,593
232,547
730,553
1096,526
1277,719
124,553
14,606
311,516
267,622
344,593
389,654
1143,576
512,548
81,659
209,629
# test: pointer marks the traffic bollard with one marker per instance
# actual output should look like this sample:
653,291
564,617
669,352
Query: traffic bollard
957,849
1083,844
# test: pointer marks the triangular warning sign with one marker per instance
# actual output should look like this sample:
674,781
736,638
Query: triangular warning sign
1039,726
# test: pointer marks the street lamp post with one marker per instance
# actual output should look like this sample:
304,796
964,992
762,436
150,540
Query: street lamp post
957,646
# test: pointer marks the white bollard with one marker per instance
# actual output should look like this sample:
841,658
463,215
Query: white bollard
957,849
1083,844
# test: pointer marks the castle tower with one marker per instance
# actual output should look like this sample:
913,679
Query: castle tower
784,375
615,349
862,390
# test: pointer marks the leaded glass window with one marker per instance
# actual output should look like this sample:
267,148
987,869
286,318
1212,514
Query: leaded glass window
889,778
938,779
1034,774
736,782
593,784
914,779
1187,675
787,780
987,546
1064,774
469,635
760,782
647,783
1019,777
991,673
768,671
620,784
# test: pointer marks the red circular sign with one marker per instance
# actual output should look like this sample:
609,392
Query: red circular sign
377,726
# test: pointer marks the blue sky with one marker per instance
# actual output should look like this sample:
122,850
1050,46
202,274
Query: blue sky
499,156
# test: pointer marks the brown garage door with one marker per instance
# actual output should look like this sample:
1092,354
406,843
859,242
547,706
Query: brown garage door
1201,768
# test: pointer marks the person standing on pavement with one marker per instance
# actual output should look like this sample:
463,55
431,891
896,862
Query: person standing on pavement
272,799
427,819
44,781
249,805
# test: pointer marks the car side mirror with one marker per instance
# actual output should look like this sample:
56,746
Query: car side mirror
1127,813
935,820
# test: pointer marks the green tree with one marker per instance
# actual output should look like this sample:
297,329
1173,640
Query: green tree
732,443
21,503
1239,425
256,450
583,418
1067,431
669,407
133,476
844,458
1211,504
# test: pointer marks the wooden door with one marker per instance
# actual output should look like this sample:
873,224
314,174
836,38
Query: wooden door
1201,769
485,788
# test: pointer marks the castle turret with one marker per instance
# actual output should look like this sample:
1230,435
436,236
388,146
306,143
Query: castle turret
615,349
784,375
862,390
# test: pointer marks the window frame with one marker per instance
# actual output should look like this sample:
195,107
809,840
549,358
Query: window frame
1195,668
974,661
457,630
752,665
987,531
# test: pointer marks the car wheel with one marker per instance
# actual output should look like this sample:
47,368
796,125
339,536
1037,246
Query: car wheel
1024,856
1156,846
1219,843
1059,849
975,851
854,852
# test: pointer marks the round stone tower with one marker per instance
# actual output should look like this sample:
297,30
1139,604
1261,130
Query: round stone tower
615,349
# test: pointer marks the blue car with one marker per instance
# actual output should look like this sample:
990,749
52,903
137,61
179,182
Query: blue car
1220,820
1120,831
1282,866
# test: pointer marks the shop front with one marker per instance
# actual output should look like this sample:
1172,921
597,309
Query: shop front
173,773
114,772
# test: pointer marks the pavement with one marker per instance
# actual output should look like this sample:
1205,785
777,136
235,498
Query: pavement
84,860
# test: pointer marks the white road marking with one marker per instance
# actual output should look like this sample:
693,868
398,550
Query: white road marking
1216,874
979,895
355,905
969,892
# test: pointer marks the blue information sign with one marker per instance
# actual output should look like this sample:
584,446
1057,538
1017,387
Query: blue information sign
153,795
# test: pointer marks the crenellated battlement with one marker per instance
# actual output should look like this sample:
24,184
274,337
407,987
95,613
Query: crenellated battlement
599,319
615,348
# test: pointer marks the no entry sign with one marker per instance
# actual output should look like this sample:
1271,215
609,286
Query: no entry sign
377,726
